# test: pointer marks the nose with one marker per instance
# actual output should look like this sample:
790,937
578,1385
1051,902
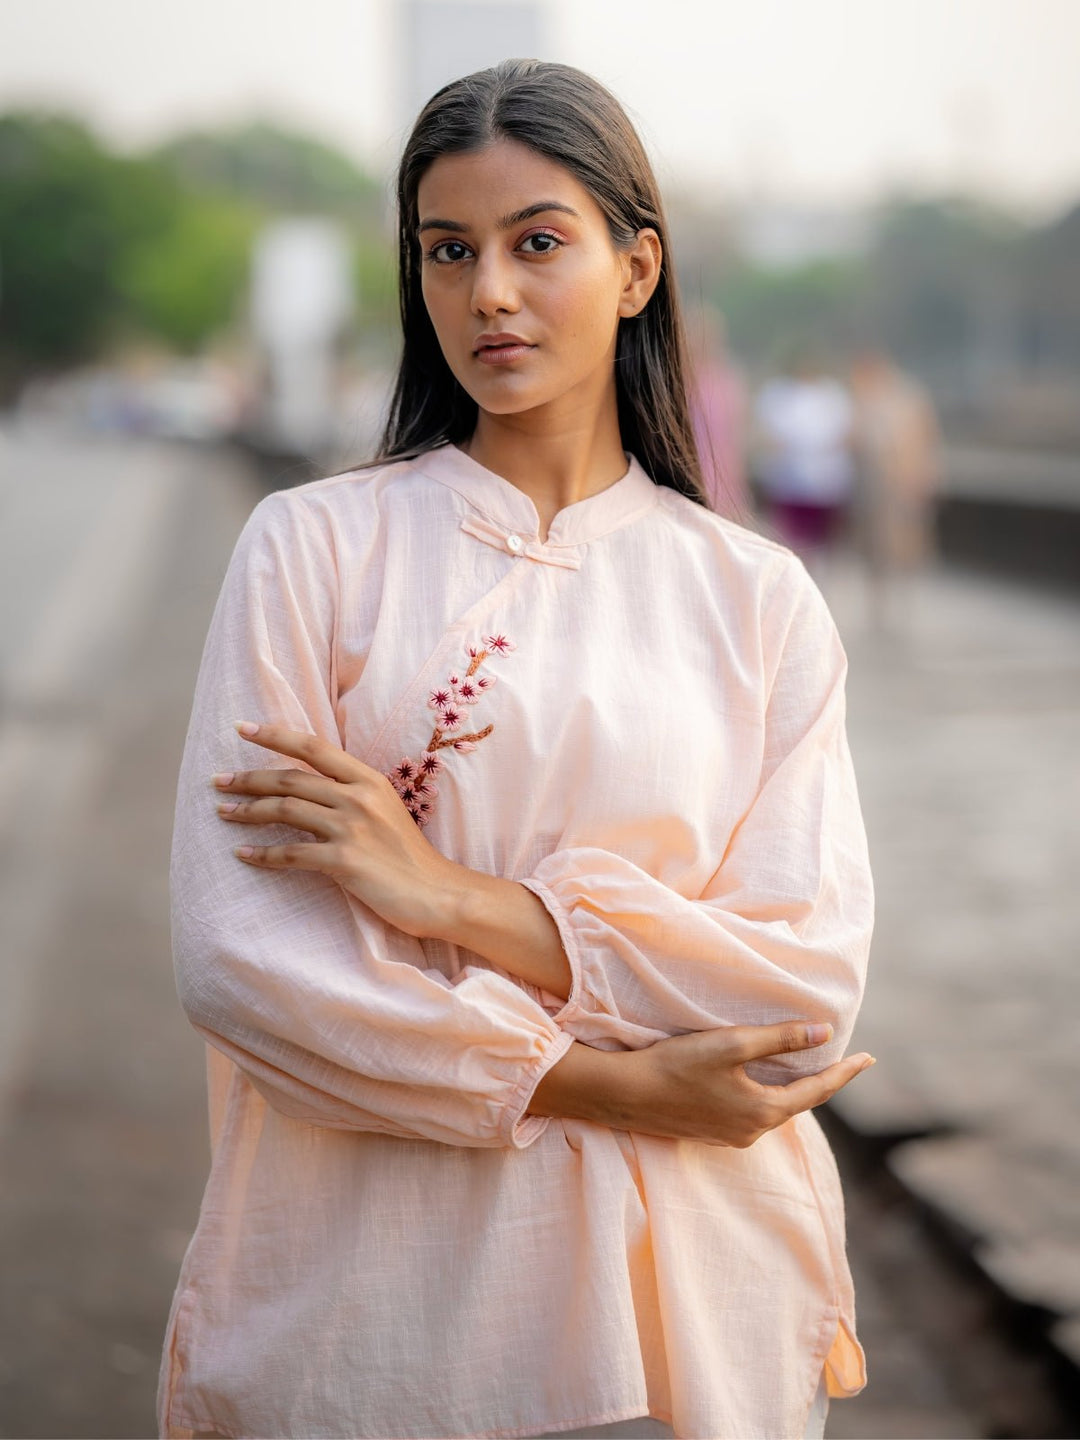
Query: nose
493,287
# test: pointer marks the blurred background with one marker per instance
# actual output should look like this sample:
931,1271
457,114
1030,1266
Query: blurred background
875,219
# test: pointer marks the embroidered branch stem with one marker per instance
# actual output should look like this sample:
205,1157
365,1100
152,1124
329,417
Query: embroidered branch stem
438,743
412,779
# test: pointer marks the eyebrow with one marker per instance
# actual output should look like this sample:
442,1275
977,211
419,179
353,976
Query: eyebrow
507,221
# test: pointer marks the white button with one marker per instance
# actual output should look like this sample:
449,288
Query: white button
514,542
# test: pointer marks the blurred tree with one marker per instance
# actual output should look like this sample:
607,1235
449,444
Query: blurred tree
764,308
71,216
1050,264
282,171
97,248
190,280
942,288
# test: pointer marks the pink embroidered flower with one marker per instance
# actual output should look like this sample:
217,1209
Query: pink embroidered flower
499,643
422,812
412,779
403,771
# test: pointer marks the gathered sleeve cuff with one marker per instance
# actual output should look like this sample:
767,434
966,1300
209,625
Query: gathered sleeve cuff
782,929
327,1009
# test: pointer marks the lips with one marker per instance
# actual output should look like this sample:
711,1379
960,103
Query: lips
503,341
502,350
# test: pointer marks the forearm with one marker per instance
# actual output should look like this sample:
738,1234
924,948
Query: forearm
506,924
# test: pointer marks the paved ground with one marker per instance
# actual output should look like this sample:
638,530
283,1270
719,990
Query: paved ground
961,731
964,726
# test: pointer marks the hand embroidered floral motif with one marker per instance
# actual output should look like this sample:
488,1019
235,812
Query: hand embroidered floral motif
414,779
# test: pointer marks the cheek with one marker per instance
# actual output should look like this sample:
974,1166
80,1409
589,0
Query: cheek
443,300
587,309
446,323
435,305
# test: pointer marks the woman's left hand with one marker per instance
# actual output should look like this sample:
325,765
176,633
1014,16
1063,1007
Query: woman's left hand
366,839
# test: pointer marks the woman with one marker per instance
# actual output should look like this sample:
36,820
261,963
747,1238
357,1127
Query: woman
555,920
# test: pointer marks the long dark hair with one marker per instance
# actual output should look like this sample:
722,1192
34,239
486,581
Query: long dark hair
566,116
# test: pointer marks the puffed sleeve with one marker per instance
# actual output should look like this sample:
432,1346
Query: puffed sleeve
782,928
325,1007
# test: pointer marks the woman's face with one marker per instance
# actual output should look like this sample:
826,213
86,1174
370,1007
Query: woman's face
552,278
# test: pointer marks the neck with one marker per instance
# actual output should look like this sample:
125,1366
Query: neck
555,465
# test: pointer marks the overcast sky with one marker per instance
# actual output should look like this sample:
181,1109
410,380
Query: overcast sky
801,100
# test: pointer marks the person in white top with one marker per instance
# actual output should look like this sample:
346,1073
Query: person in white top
804,420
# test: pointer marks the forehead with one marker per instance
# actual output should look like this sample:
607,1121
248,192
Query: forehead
480,185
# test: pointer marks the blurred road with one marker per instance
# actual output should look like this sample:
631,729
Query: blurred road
112,555
963,726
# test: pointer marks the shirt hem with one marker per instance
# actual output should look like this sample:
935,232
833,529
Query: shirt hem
181,1427
608,1417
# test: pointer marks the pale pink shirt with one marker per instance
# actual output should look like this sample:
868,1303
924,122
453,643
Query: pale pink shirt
388,1245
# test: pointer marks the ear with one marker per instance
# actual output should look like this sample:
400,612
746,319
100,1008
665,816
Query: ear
641,272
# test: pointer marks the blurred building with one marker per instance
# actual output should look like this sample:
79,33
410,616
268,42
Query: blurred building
440,40
301,302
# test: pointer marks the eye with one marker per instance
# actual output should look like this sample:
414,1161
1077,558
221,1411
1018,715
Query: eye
555,242
433,254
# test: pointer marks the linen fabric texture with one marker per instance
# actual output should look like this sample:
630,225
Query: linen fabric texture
389,1244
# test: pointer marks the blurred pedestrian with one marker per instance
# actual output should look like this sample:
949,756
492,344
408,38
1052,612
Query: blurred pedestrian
718,409
803,454
897,447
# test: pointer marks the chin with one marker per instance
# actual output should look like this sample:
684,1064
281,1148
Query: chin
509,405
510,401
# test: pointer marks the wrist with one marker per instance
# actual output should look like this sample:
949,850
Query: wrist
457,903
503,921
447,903
587,1084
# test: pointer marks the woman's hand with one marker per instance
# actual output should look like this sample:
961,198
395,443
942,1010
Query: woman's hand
693,1087
366,839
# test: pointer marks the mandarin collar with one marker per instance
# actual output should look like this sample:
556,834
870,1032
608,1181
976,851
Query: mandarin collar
511,510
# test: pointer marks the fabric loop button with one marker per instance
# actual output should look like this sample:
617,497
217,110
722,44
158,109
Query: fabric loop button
492,534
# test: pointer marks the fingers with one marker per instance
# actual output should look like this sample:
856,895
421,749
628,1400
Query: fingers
755,1042
322,857
321,755
301,783
283,810
814,1090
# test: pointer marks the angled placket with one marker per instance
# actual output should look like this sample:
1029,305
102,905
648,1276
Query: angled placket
384,748
452,689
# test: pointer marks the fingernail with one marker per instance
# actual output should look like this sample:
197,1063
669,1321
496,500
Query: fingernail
870,1060
818,1034
247,727
223,777
244,851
